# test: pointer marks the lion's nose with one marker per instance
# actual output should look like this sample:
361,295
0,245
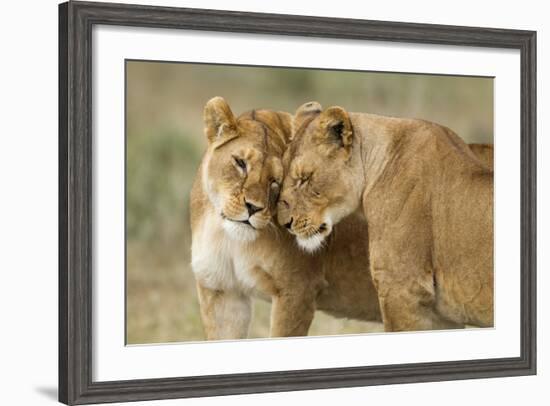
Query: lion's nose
288,225
251,208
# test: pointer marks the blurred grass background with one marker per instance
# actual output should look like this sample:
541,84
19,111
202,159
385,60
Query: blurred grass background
165,143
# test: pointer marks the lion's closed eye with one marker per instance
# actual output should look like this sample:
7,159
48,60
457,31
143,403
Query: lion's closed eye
304,179
241,164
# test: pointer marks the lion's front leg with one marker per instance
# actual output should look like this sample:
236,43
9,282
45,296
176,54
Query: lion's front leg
408,305
292,314
405,285
400,250
225,314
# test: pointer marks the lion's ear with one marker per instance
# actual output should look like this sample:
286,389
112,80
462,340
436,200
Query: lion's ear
219,120
337,127
285,123
306,112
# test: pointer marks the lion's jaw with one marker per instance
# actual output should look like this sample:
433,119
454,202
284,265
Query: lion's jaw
316,241
239,231
331,217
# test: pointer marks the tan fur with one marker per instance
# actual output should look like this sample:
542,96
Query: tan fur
428,201
484,152
233,262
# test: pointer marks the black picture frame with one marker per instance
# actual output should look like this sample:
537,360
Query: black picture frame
76,20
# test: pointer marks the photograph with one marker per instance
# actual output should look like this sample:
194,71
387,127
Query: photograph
268,202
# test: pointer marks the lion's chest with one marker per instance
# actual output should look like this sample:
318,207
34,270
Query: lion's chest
219,262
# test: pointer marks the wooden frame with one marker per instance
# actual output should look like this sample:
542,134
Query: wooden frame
76,20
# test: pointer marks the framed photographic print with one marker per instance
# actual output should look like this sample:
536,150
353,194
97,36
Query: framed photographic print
258,202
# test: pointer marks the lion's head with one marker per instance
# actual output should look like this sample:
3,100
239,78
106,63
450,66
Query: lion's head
320,186
242,169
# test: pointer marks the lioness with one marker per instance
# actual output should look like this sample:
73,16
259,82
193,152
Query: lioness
428,201
238,252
